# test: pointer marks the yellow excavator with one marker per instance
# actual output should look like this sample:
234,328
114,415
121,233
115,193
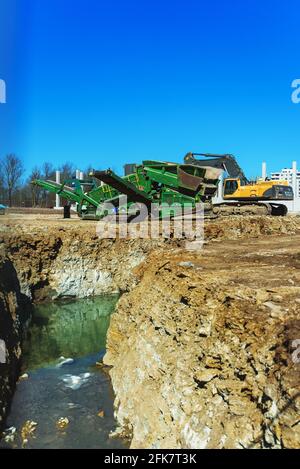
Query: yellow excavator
241,196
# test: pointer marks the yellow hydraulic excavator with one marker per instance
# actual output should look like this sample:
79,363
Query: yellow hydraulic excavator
241,195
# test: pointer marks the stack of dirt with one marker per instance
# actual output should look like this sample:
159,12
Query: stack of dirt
204,349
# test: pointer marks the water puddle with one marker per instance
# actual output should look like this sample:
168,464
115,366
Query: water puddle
66,401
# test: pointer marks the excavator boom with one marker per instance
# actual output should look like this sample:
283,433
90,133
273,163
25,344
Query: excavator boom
227,162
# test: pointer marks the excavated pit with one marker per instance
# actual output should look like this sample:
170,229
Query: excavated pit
201,343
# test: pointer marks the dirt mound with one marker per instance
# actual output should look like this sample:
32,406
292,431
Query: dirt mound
202,349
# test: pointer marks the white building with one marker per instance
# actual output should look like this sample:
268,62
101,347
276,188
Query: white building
292,175
287,174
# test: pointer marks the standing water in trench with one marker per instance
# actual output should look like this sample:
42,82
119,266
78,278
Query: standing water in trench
63,344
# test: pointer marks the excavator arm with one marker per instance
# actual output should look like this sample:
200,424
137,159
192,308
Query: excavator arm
226,162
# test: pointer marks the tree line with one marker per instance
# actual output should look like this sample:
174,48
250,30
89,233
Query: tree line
17,191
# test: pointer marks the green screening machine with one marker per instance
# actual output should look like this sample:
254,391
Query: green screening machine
152,183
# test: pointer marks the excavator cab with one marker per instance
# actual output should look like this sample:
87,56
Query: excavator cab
230,187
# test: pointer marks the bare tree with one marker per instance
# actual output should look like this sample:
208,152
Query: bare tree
47,173
87,171
67,171
47,170
1,185
12,171
35,190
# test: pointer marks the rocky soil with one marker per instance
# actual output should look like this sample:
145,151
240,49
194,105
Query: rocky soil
71,261
10,332
201,344
203,349
59,258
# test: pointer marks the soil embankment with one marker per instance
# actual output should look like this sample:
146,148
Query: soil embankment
201,342
10,332
202,348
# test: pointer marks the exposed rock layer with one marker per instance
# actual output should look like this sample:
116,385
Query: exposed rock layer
202,352
54,258
10,332
200,343
70,263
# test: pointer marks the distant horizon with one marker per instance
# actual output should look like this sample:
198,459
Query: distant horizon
120,170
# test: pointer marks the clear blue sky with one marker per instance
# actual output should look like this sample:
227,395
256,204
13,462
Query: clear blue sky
108,82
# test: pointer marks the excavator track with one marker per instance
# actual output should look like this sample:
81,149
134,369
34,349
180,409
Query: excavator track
258,208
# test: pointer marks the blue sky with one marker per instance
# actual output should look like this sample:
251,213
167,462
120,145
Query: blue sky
109,82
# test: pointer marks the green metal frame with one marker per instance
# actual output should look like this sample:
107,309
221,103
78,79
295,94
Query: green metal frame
153,182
